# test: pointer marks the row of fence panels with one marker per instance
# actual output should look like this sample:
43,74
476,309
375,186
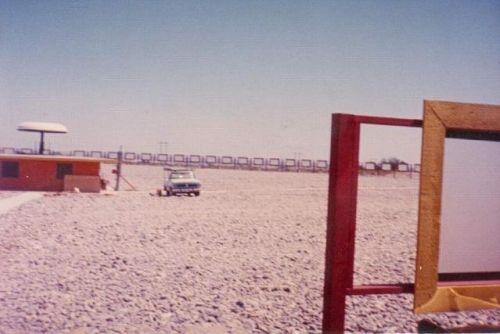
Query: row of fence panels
388,167
188,160
225,161
213,161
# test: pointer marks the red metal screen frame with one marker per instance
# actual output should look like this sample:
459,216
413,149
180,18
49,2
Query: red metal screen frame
341,220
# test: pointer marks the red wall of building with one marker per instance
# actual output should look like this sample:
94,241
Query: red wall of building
41,175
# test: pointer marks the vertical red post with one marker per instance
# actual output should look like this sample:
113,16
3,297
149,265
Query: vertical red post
341,221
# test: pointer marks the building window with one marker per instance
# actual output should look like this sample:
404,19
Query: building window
63,169
10,169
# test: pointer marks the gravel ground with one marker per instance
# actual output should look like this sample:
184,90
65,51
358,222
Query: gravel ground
7,194
247,256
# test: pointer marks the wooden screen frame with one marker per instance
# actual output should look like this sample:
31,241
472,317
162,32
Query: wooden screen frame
441,118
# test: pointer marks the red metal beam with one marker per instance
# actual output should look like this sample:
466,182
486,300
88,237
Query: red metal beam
381,289
341,221
465,283
389,121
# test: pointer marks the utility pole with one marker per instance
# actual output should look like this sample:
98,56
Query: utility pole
119,168
297,157
163,144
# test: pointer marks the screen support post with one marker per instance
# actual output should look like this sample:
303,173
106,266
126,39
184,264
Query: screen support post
342,193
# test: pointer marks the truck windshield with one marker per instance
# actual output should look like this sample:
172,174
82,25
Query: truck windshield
182,175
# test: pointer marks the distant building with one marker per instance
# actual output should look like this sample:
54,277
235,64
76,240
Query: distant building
50,173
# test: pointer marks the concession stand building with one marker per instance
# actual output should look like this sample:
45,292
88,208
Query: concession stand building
50,172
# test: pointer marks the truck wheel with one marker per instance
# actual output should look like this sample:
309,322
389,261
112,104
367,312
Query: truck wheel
197,193
168,193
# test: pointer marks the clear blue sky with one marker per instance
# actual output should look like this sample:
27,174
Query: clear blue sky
252,78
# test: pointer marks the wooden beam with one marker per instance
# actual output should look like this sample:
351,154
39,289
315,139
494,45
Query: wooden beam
429,211
466,116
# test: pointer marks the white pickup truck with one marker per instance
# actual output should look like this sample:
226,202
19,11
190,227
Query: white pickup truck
182,181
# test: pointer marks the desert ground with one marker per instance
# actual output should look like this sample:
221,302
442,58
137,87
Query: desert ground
247,256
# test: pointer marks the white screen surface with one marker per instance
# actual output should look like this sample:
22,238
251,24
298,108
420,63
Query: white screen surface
470,212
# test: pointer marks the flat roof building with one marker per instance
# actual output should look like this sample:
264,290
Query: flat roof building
50,173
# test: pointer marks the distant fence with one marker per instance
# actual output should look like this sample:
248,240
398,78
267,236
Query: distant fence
373,168
225,162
